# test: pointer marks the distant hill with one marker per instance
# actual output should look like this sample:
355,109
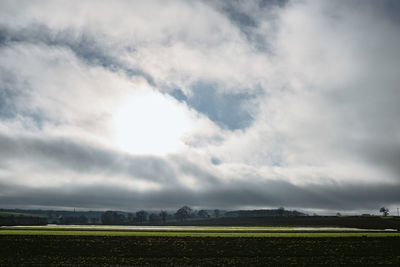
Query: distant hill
9,218
57,216
263,213
13,213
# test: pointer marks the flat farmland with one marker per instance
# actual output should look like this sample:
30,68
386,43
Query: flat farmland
118,246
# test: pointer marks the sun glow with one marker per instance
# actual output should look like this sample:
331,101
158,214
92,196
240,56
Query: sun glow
150,123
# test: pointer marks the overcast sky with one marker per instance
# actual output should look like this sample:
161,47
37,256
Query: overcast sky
212,104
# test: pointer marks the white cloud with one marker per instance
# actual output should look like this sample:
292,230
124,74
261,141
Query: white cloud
323,79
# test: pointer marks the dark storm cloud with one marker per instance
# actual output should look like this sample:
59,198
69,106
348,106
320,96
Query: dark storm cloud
80,157
211,192
386,156
280,193
270,193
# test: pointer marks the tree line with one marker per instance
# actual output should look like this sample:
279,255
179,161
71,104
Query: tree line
11,220
155,218
141,217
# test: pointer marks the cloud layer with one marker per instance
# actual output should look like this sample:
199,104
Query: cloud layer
284,103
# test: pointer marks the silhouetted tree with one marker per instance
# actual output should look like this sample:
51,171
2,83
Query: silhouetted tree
183,213
281,211
50,214
163,215
216,213
9,220
83,219
112,218
141,216
131,218
203,214
107,217
154,218
384,210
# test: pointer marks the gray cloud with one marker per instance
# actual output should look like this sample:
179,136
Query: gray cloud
56,153
291,103
264,194
83,158
255,19
82,43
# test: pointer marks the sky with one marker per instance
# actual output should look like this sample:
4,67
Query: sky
212,104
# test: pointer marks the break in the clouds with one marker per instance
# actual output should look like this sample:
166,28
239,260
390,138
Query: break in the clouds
214,104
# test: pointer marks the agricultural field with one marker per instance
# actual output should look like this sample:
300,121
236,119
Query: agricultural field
198,246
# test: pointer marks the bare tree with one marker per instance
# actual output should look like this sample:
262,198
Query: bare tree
154,218
141,216
112,218
203,214
216,213
384,210
163,215
183,213
280,211
131,218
